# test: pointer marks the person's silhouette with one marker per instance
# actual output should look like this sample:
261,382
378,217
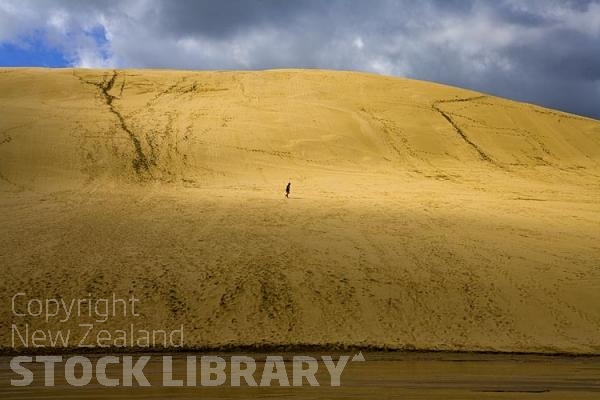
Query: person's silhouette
287,189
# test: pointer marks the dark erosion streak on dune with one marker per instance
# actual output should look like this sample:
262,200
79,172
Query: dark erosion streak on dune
140,163
458,130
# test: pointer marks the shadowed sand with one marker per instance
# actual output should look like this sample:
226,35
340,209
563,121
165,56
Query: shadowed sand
421,216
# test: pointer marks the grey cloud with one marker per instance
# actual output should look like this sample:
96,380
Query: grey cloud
220,19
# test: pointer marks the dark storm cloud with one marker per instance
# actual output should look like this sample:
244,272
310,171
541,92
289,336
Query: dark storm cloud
522,17
542,51
220,19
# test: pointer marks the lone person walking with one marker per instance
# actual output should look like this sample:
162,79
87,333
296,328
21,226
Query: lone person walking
287,189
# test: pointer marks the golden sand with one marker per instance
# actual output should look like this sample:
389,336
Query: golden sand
421,216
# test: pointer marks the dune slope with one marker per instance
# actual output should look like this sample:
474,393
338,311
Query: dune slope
422,216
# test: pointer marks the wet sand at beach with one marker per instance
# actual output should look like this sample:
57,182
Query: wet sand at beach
384,375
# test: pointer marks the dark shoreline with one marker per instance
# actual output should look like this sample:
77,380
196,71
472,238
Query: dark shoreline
277,348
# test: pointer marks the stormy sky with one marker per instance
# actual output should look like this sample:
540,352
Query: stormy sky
542,51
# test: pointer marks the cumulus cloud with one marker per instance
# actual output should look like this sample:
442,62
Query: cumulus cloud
542,51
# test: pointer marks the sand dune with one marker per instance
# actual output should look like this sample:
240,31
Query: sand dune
422,216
